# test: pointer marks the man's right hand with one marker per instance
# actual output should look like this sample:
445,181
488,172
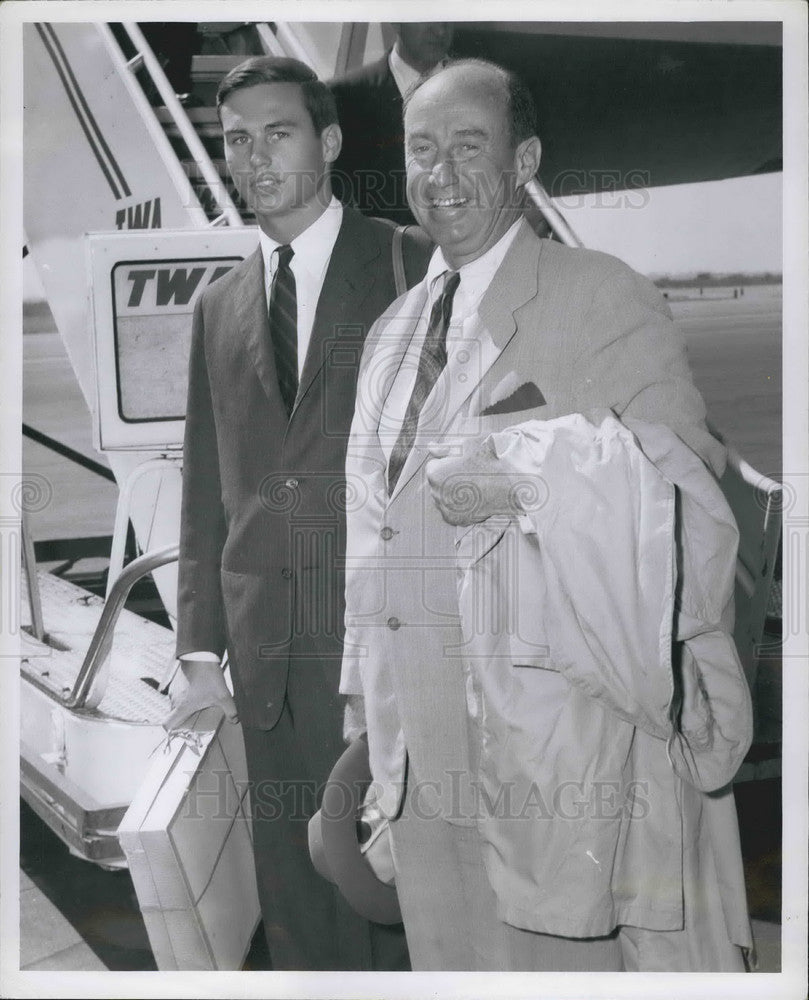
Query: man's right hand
206,688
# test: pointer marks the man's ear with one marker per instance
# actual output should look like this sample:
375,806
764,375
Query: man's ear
526,159
331,139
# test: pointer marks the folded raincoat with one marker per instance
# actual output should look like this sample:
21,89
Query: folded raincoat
608,708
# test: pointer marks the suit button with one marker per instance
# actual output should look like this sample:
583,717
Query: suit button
386,533
291,484
393,624
269,704
286,573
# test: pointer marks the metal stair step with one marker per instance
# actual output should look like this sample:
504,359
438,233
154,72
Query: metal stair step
141,649
197,116
212,144
207,127
211,68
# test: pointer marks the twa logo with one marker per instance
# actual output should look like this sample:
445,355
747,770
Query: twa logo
146,215
149,287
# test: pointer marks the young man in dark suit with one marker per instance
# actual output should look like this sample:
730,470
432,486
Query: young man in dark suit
369,172
275,348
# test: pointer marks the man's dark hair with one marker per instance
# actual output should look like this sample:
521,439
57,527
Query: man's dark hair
317,98
522,112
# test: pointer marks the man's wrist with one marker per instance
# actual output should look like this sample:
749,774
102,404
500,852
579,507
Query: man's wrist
203,655
196,665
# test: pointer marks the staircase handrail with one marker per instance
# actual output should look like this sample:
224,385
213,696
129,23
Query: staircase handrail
210,174
558,223
87,690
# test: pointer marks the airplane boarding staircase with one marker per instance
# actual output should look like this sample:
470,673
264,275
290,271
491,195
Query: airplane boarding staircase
93,703
132,160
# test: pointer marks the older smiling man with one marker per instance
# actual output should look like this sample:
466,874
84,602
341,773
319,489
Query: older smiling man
543,718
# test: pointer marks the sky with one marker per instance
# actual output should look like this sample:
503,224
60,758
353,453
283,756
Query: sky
729,225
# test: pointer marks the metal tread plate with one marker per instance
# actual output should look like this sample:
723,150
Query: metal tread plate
142,649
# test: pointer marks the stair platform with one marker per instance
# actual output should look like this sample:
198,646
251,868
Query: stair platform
80,768
142,652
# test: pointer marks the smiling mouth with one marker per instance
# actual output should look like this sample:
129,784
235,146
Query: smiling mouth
448,202
266,182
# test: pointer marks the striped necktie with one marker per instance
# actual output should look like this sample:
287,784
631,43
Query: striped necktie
432,362
284,326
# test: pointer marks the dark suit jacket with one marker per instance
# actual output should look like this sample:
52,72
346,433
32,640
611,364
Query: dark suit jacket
369,172
263,515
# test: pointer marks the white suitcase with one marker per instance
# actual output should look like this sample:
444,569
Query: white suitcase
188,841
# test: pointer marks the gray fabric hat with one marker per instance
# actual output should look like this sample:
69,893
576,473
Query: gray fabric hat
334,839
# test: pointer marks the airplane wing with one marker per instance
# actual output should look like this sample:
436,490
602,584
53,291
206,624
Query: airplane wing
642,104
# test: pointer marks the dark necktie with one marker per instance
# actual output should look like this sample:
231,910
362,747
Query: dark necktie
432,361
284,326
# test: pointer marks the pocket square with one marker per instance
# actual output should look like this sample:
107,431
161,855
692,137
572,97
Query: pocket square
523,398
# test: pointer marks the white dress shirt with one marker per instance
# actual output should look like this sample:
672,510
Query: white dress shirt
476,276
312,253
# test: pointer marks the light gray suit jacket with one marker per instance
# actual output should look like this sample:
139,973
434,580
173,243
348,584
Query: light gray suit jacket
589,334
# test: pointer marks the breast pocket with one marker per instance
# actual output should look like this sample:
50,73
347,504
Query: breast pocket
493,422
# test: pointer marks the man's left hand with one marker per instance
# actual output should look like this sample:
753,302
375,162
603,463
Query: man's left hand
469,483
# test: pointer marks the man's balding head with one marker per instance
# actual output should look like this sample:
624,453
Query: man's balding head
470,149
518,102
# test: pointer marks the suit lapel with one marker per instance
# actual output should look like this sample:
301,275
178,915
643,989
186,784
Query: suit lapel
487,336
350,276
384,354
389,353
251,315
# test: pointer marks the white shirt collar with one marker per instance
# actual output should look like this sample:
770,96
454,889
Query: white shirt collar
476,276
403,73
312,248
